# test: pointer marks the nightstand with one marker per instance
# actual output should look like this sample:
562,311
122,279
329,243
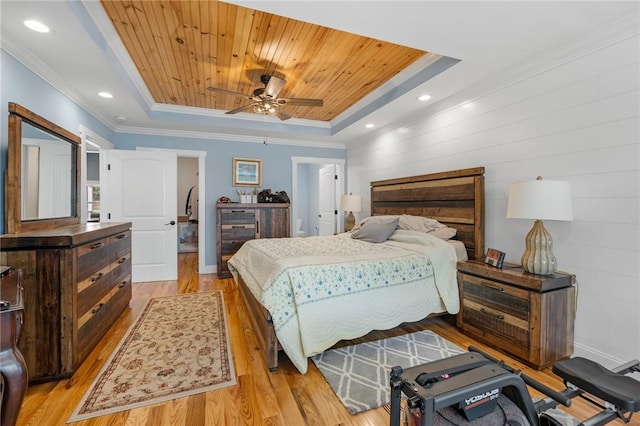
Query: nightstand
527,315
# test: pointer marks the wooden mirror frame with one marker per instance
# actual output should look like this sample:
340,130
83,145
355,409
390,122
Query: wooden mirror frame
13,192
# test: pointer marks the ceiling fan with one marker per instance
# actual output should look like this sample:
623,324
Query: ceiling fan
265,99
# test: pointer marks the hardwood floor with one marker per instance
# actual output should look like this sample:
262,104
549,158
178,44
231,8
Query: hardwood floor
283,398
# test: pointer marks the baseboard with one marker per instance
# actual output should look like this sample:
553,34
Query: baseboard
606,360
210,269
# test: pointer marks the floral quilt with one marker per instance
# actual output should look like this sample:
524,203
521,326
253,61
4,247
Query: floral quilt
320,290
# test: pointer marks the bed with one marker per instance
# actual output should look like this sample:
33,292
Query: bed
318,296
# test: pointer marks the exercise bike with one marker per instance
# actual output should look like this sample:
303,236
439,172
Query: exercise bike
474,388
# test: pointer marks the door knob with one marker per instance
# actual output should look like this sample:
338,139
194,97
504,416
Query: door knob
173,222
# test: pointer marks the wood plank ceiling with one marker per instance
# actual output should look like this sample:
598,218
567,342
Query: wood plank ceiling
182,47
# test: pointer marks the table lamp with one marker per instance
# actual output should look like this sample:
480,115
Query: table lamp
350,203
540,200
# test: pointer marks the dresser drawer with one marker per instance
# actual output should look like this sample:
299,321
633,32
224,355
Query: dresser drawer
120,295
233,236
92,325
495,311
238,217
94,288
92,257
120,245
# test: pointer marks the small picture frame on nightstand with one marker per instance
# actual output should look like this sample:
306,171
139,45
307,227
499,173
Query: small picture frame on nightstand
494,258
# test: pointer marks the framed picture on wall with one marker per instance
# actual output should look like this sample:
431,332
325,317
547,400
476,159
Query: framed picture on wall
247,172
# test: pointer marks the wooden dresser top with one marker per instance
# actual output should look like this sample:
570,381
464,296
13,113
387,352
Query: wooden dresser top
63,236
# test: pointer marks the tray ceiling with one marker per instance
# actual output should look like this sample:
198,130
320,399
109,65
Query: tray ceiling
182,47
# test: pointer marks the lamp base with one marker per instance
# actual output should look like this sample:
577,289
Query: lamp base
538,256
350,223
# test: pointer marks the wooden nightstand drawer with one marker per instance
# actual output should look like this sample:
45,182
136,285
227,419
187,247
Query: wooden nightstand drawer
497,296
494,323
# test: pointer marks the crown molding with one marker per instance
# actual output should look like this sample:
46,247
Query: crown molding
14,48
228,137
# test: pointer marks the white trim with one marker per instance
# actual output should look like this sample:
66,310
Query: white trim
23,55
341,183
202,194
87,135
228,137
597,356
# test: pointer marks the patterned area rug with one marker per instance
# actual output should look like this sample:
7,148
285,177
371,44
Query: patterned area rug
359,374
178,346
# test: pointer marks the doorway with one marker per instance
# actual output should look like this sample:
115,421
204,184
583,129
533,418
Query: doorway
90,148
306,193
199,157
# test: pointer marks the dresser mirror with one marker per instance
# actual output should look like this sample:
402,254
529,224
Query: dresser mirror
43,173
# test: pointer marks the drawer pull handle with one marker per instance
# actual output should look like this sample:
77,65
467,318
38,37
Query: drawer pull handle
124,259
96,245
95,311
499,316
237,211
238,226
97,277
121,236
122,284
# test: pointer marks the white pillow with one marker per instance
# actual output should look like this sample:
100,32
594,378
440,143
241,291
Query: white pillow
428,225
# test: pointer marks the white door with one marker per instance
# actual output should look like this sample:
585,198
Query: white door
141,187
327,205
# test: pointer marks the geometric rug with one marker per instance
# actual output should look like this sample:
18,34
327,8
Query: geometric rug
178,346
359,374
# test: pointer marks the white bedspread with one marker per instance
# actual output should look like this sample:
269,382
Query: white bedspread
320,290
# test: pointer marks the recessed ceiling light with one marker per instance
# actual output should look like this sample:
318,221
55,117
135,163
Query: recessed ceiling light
121,118
467,105
424,98
105,95
36,26
368,125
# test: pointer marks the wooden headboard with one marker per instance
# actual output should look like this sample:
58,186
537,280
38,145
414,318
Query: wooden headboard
454,198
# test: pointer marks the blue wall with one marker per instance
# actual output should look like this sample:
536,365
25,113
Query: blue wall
276,167
19,84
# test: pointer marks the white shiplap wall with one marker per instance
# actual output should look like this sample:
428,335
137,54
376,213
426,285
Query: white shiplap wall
575,119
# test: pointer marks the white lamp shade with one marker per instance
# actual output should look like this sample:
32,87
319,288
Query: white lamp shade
540,199
350,203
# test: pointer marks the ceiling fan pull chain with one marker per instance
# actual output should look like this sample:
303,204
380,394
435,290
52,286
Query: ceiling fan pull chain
265,129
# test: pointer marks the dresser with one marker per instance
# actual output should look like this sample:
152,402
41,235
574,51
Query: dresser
527,315
237,223
77,281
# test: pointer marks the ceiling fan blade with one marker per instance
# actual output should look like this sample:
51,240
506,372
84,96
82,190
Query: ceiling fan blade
302,101
227,92
282,115
242,108
274,86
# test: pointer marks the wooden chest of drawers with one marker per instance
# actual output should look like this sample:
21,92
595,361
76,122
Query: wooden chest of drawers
77,281
529,316
238,223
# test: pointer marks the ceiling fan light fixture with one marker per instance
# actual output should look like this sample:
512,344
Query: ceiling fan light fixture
265,99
